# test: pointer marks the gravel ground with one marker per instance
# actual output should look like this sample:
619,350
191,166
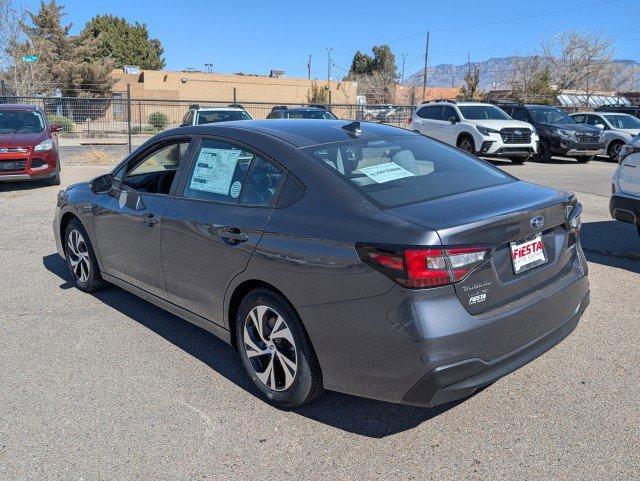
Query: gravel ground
110,387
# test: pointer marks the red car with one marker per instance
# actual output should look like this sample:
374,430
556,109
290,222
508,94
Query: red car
28,146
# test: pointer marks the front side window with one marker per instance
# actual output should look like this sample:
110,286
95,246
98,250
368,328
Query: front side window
398,171
21,122
519,114
579,118
482,112
165,159
450,112
435,112
223,172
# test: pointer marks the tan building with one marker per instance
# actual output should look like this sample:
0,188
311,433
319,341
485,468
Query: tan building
198,86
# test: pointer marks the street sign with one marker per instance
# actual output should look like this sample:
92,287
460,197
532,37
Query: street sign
29,58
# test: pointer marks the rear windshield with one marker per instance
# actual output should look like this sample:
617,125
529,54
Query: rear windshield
310,114
221,116
21,121
482,112
401,171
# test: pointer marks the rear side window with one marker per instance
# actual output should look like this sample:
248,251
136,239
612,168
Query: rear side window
435,112
399,171
215,116
223,172
422,113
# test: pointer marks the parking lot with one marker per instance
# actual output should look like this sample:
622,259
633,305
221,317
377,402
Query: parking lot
108,385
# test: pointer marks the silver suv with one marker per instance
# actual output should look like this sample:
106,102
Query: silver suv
197,115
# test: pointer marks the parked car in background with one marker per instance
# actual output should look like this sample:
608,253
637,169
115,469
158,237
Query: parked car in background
618,128
623,109
361,258
625,189
477,128
316,112
28,145
559,134
197,115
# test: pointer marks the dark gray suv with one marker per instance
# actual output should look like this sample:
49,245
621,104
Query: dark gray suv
360,258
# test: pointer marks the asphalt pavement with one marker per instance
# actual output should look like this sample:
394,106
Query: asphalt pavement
108,386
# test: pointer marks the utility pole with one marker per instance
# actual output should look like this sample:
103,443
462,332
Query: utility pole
329,61
404,56
309,68
426,62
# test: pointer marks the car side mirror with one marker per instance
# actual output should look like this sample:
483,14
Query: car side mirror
454,120
55,128
102,184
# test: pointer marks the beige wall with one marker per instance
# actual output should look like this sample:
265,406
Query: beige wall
154,84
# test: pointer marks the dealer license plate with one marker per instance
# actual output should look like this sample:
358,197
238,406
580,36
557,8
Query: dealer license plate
527,254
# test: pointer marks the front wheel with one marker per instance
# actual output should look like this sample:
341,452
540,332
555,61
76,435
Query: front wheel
544,152
81,259
466,144
55,180
614,150
275,350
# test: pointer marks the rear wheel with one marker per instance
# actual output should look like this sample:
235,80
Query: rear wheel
584,159
81,259
275,350
614,149
466,143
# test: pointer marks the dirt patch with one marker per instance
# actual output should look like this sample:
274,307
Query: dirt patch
95,156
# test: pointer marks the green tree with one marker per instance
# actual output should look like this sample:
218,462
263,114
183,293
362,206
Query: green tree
124,43
317,94
68,61
362,64
384,62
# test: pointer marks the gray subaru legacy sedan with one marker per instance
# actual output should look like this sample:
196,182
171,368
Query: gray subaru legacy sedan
350,256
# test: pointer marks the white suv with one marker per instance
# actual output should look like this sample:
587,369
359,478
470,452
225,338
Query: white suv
197,115
480,129
625,197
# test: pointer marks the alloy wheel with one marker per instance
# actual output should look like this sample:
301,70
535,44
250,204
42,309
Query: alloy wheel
270,348
78,256
466,146
614,151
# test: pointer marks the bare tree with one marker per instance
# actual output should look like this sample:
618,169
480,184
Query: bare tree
584,62
470,90
377,87
530,80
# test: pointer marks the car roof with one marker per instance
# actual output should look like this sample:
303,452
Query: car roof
297,132
219,109
601,112
18,107
464,104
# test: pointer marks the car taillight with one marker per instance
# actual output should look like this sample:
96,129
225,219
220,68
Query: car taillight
429,267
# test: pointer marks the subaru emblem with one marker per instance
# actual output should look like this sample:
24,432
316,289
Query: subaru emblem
537,222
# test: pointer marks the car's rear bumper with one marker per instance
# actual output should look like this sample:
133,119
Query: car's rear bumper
625,209
386,347
455,381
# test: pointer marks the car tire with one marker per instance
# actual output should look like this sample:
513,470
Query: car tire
466,143
275,350
81,258
584,159
544,152
518,160
614,149
55,180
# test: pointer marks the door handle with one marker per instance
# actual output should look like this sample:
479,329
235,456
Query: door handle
149,220
233,235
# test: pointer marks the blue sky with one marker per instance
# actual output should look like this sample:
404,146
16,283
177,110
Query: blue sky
256,36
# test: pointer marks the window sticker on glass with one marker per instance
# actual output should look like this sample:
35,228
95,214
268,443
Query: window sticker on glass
386,172
214,170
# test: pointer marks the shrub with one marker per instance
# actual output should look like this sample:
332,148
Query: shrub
158,120
65,122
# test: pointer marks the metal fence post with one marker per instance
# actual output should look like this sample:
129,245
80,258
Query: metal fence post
234,96
129,115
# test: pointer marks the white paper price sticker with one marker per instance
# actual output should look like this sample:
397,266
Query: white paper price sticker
214,170
387,172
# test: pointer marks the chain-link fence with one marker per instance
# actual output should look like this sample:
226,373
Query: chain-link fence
117,124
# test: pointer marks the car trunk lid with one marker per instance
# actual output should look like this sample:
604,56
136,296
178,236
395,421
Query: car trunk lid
497,217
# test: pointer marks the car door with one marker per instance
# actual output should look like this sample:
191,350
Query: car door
450,130
127,220
420,120
433,122
210,231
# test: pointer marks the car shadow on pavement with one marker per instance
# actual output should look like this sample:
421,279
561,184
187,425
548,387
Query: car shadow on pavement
366,417
26,185
612,243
